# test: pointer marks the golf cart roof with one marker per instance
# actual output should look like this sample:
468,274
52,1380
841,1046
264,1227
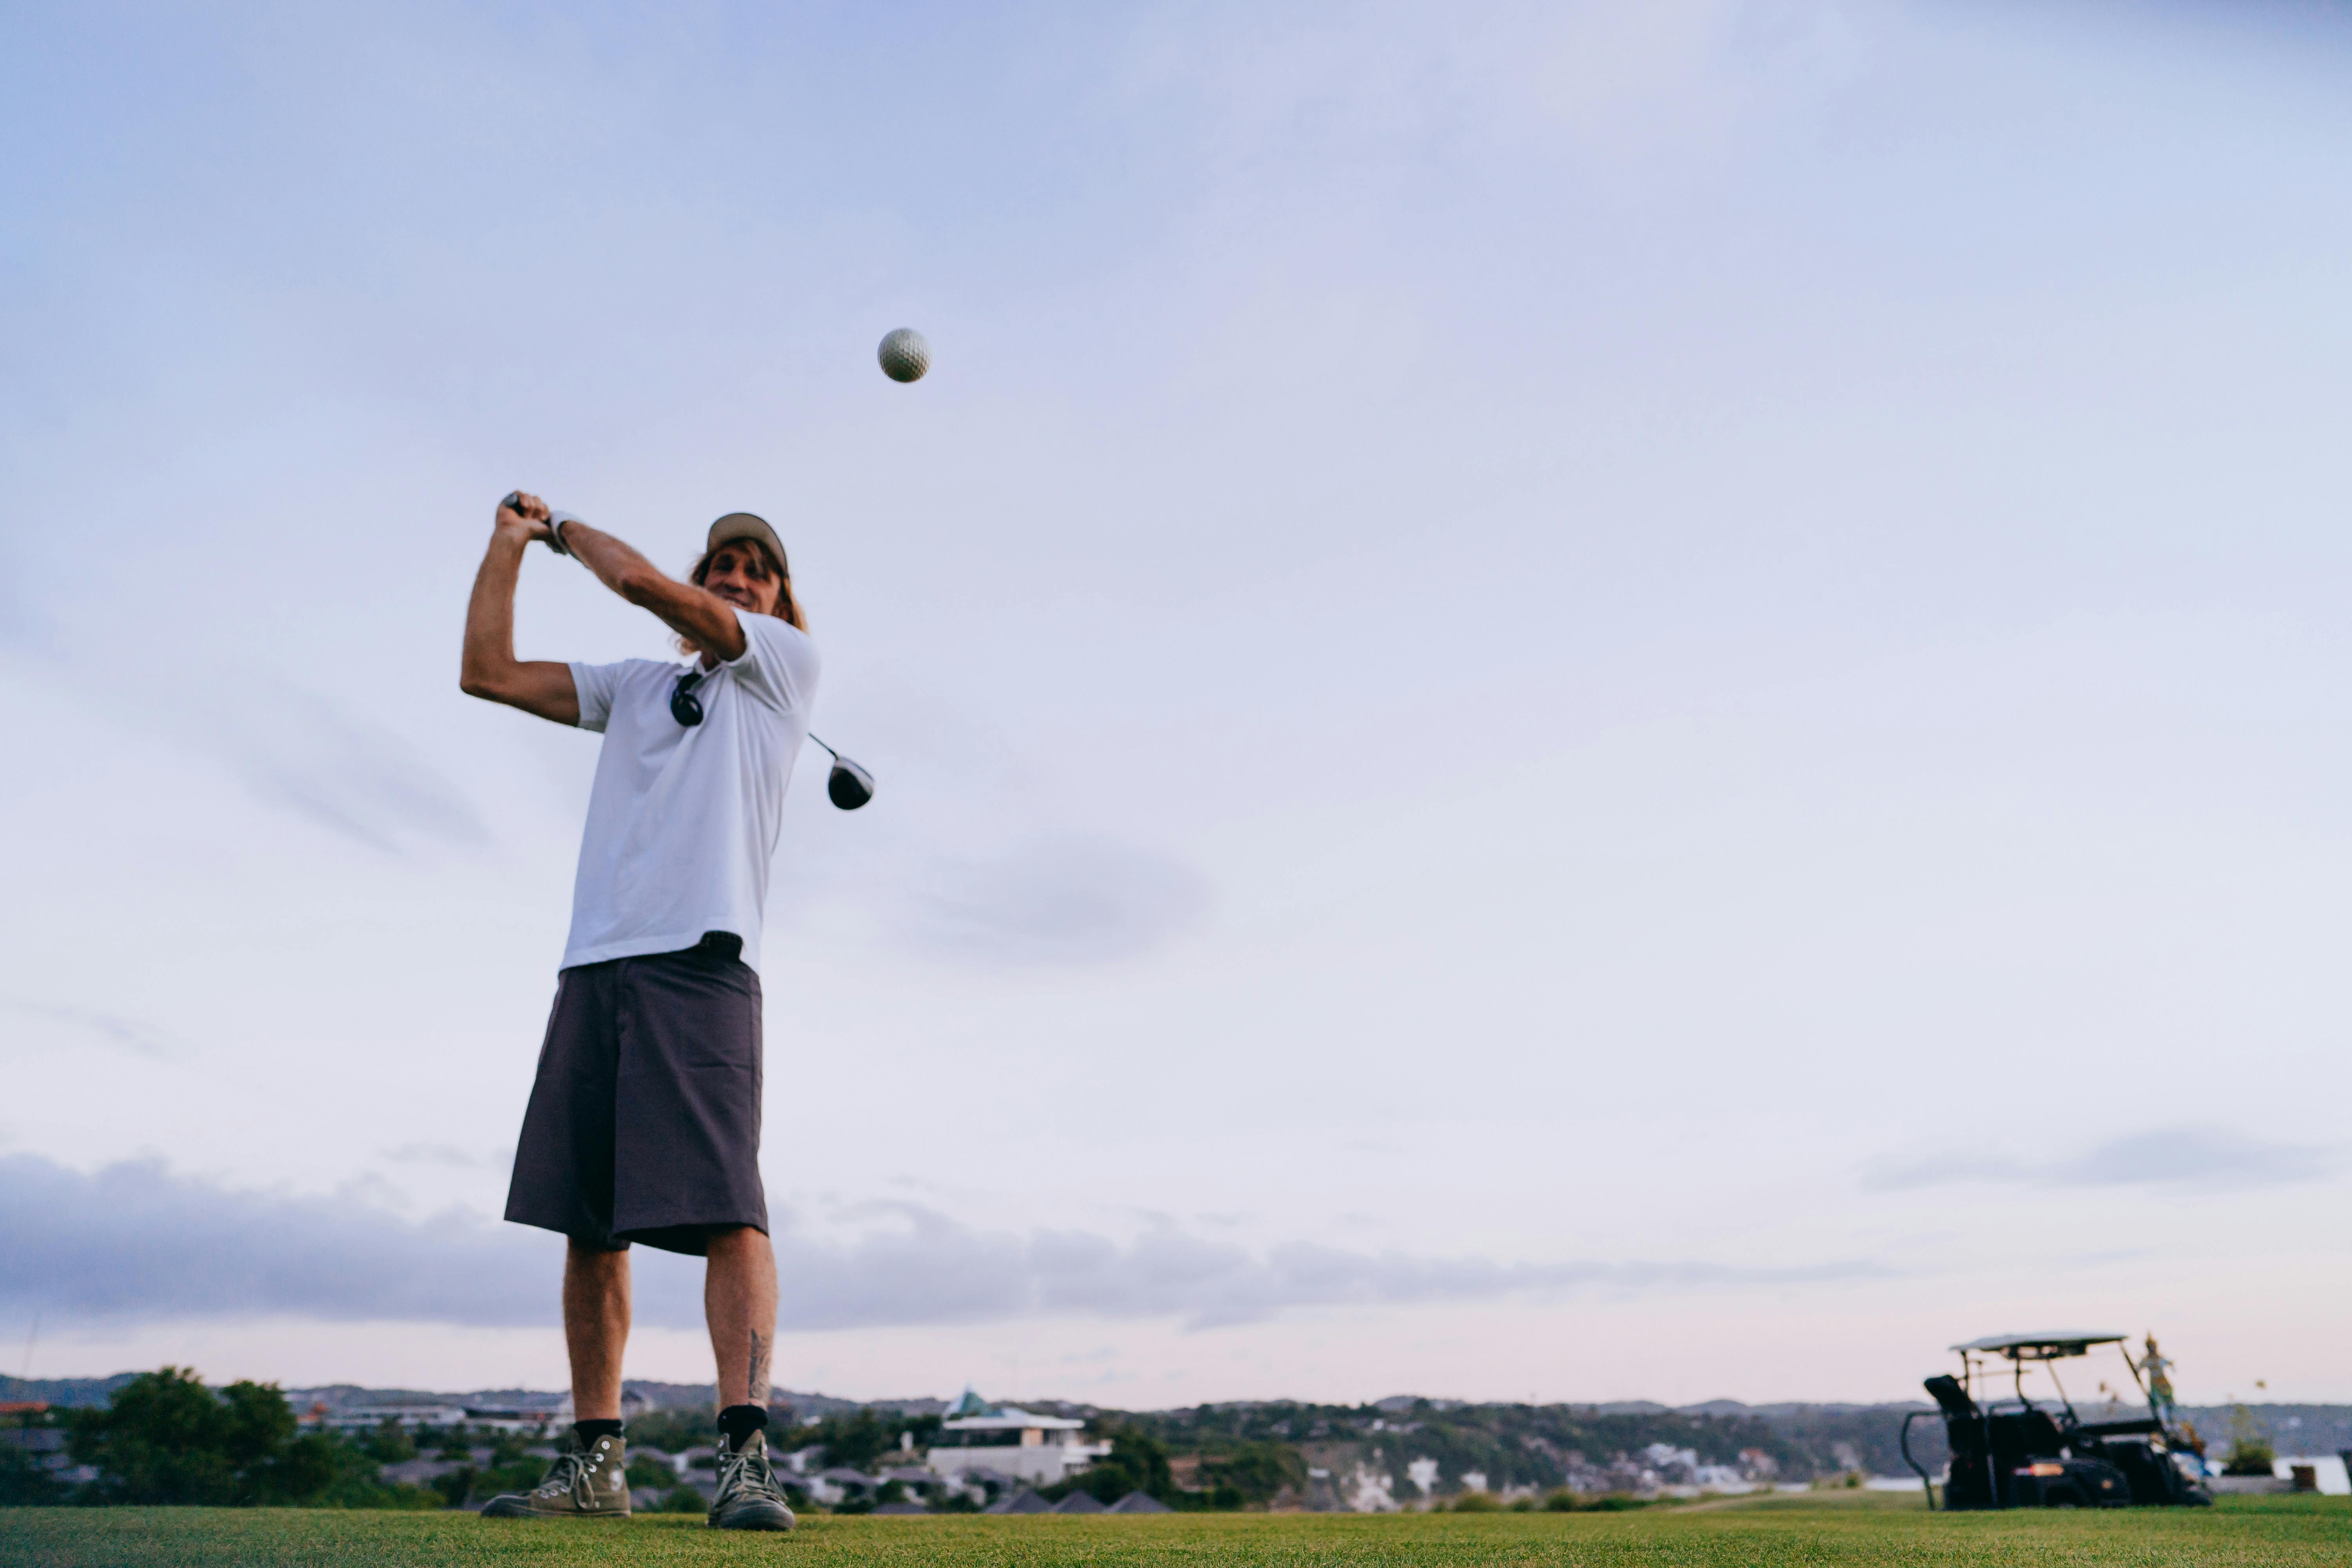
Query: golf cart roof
2050,1346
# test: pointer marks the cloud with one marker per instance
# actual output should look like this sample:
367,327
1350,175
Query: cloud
449,1154
135,1242
127,1034
1054,900
298,751
292,749
2188,1157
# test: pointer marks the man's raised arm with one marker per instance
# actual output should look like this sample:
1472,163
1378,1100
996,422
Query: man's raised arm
702,619
491,670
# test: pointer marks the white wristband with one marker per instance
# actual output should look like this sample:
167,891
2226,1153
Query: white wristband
555,521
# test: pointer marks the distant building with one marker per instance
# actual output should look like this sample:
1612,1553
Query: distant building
1013,1442
525,1415
1369,1491
363,1417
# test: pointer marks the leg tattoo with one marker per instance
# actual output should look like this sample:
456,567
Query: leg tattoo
757,1393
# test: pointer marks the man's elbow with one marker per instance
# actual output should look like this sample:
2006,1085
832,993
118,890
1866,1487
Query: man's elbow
474,683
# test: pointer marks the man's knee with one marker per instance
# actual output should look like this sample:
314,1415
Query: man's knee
734,1238
596,1262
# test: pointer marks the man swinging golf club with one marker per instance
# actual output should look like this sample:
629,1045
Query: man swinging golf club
644,1124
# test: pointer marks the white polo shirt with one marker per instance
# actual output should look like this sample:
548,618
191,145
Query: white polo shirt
683,819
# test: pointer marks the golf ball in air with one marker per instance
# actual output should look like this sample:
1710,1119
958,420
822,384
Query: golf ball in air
905,355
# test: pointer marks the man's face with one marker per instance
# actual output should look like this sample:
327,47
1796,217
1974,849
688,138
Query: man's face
740,574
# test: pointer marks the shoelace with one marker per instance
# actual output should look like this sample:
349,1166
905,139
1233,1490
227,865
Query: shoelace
746,1471
570,1473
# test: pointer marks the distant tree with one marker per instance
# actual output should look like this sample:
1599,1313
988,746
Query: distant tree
389,1443
454,1487
644,1472
1258,1470
1137,1462
857,1441
167,1438
675,1428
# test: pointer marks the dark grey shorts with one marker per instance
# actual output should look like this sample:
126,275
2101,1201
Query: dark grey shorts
644,1123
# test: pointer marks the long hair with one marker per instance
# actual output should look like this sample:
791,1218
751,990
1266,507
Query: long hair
788,608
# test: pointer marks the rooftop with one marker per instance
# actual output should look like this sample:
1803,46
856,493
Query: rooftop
1010,1417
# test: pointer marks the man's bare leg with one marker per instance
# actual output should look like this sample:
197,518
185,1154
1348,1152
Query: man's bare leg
596,1329
738,1297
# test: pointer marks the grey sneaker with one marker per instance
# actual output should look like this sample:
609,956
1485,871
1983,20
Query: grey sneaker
583,1483
748,1497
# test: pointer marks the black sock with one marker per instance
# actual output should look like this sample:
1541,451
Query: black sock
590,1430
738,1422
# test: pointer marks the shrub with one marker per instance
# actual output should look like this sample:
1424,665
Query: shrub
1258,1470
23,1482
455,1487
1565,1501
1136,1463
858,1439
2251,1456
2251,1452
389,1443
518,1476
676,1427
646,1471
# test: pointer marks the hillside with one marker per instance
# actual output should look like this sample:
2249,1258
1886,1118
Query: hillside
1406,1440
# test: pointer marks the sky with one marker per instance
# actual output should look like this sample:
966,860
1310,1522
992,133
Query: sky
1571,701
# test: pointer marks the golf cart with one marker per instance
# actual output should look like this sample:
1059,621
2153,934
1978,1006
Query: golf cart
2009,1452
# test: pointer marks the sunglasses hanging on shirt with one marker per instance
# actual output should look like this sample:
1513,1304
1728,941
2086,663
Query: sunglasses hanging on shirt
684,705
848,787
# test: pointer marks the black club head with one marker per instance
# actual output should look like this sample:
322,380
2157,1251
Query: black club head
849,786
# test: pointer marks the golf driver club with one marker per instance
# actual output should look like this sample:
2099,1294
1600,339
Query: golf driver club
848,787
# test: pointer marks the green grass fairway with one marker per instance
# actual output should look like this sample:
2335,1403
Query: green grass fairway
2248,1533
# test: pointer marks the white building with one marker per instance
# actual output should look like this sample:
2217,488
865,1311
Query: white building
1039,1449
365,1417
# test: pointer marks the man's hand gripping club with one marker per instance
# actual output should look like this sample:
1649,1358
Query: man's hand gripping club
490,668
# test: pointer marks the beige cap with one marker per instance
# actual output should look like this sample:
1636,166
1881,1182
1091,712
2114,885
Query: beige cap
745,526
